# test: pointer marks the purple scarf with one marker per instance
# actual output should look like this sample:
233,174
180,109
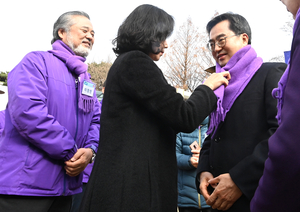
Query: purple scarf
76,65
278,93
241,66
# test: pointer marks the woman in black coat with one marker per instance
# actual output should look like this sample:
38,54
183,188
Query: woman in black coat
135,168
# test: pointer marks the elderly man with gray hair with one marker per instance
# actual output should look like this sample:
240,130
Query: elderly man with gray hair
52,122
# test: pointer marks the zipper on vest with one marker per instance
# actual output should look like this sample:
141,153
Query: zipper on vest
65,179
76,86
76,91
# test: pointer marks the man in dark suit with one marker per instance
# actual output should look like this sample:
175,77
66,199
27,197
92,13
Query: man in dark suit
233,155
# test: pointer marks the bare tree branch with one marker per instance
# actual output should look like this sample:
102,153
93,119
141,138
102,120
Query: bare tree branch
188,58
288,27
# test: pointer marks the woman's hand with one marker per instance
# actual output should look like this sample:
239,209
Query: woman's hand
217,79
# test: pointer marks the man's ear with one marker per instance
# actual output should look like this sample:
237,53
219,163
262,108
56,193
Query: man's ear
245,38
61,33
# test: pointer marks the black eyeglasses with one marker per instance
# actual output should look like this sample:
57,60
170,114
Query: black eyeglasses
221,43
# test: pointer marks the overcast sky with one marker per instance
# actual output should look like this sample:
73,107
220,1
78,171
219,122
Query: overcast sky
26,25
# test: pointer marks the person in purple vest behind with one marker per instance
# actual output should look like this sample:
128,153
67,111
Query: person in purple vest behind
279,186
77,198
233,155
52,122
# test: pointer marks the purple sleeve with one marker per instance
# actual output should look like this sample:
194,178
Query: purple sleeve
279,186
2,121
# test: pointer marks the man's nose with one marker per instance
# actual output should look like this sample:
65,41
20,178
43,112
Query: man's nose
165,45
90,37
217,48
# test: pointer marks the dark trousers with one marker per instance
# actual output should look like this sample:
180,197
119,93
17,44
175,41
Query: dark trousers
14,203
191,209
77,198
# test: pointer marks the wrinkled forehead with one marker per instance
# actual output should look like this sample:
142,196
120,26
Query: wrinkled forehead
82,21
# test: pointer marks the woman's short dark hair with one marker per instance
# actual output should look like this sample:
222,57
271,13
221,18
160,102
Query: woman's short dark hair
65,21
237,23
146,26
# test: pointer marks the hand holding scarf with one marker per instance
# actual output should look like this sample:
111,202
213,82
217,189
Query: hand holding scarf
242,66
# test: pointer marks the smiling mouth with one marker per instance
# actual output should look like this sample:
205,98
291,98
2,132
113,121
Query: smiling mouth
88,44
220,57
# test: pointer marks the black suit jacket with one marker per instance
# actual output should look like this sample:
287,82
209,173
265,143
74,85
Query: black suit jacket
240,146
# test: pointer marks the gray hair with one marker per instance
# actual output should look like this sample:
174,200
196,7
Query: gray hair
65,21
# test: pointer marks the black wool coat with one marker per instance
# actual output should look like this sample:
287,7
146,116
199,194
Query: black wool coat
135,167
240,145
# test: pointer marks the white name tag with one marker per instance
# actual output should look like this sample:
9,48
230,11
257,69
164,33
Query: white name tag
88,88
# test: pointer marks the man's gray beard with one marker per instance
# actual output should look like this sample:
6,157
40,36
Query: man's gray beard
79,50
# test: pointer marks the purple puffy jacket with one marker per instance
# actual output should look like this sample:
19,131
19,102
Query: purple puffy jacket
43,128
